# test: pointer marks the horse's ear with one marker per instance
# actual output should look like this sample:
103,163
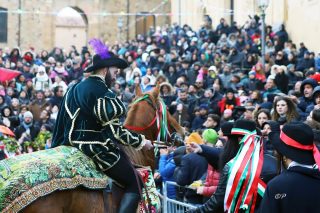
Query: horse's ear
138,90
156,90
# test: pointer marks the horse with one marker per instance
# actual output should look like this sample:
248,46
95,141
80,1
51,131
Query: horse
143,116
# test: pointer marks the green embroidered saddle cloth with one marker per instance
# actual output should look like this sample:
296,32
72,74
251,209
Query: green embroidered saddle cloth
27,177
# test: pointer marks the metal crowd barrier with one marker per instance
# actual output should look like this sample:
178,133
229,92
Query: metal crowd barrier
171,205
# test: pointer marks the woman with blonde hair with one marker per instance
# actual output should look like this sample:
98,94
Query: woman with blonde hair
284,110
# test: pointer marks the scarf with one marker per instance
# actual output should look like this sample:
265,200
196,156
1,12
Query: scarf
26,125
244,181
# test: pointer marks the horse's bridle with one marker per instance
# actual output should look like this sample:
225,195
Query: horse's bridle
148,99
158,113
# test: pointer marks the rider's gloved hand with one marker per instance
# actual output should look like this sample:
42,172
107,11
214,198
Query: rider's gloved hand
148,145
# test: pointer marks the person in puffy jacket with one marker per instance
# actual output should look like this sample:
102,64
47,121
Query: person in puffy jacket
210,138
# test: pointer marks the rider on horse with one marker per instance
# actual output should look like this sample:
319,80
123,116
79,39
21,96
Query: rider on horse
88,119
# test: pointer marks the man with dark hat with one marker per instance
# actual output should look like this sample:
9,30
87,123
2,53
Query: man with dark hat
297,189
306,89
89,120
242,149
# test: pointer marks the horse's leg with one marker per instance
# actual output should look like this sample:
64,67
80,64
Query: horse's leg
71,201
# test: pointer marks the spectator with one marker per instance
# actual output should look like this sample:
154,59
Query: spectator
216,202
305,63
192,168
57,97
8,118
167,93
301,160
284,110
26,131
23,98
261,116
199,120
38,105
270,87
210,138
230,101
166,169
212,122
45,120
281,79
58,81
42,80
2,102
306,90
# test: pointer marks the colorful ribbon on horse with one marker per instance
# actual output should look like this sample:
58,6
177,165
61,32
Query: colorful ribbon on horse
163,125
244,180
160,118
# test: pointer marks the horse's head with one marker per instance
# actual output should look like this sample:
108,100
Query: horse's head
148,115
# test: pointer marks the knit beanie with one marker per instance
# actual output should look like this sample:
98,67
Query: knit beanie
194,138
210,136
27,114
226,128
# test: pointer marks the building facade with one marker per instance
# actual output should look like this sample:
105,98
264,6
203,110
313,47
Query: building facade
301,17
46,23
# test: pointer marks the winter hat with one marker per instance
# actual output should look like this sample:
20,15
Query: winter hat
252,72
226,128
27,114
41,69
227,112
316,115
213,68
243,127
316,91
309,81
296,143
203,106
194,138
210,136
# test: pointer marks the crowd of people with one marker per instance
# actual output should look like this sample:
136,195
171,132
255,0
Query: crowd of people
211,80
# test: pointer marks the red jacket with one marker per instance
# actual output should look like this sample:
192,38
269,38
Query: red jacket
222,104
212,181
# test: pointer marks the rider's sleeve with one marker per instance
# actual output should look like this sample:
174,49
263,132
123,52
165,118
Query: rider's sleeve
107,111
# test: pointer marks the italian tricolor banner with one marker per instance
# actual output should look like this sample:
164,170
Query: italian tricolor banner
244,174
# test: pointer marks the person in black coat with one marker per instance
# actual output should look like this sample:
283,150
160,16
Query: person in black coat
56,99
27,130
89,119
191,168
306,89
297,188
242,130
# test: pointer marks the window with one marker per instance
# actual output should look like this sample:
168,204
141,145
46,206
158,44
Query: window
3,25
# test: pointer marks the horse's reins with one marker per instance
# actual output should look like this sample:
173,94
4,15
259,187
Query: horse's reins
160,117
162,133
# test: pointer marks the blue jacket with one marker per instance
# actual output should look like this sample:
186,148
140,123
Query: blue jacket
166,170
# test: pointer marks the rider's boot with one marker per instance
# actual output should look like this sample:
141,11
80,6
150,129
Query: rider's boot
129,203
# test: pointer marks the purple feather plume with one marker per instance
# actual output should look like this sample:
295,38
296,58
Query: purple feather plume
100,48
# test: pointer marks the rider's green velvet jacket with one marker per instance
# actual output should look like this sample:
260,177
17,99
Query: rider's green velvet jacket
89,120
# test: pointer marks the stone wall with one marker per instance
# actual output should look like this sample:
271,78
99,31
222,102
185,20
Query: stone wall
38,26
